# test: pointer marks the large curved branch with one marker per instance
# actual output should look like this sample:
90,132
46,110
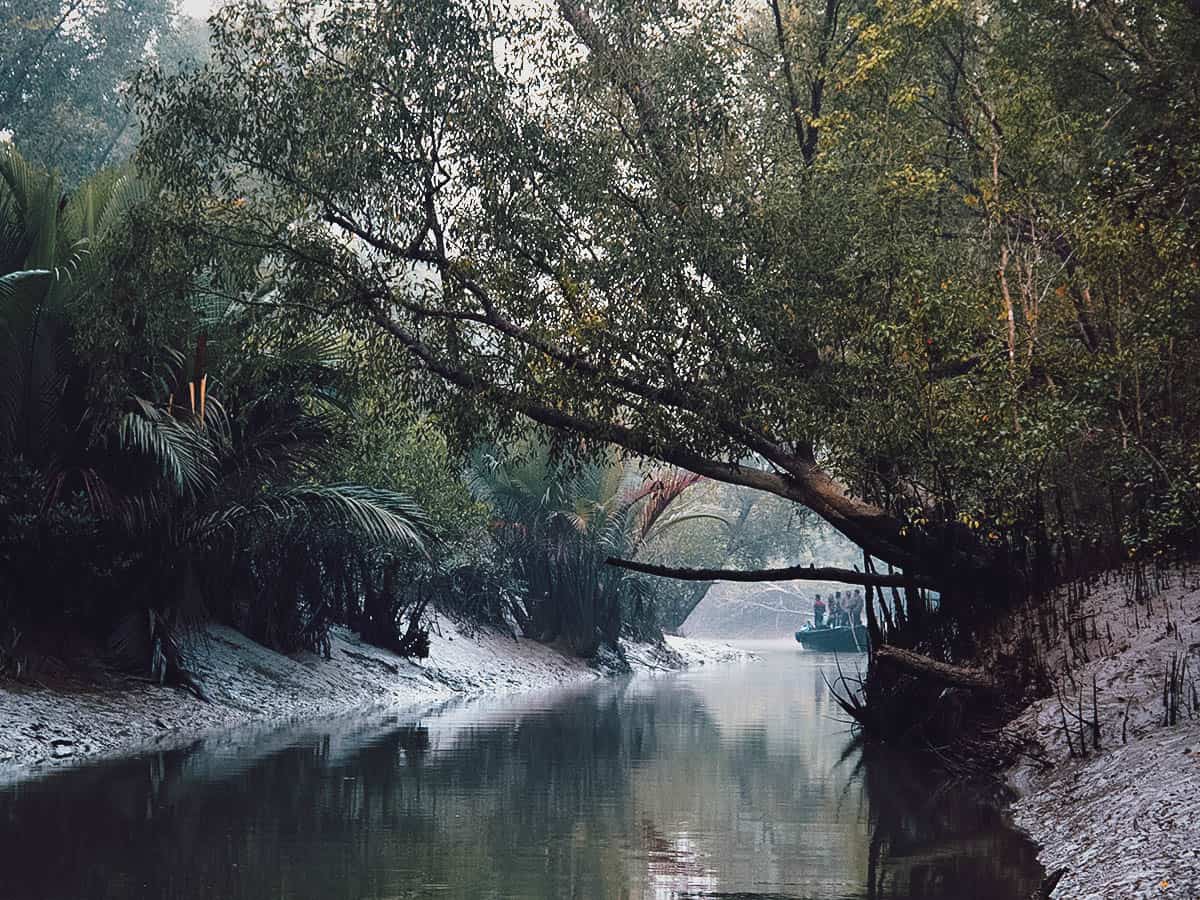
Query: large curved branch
802,480
787,573
829,496
605,432
491,318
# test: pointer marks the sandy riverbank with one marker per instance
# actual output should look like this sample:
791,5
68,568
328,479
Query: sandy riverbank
1124,820
79,716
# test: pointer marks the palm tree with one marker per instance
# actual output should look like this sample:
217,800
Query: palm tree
187,502
560,520
47,239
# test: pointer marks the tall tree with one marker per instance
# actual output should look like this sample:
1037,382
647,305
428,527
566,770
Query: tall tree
822,251
62,66
516,288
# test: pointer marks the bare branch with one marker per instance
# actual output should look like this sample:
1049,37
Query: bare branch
787,573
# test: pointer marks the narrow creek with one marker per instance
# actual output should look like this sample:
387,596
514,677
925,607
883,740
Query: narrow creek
733,781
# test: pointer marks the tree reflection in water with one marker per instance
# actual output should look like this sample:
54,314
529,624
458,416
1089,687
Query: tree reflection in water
731,783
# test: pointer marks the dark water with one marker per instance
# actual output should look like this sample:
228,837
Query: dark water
731,782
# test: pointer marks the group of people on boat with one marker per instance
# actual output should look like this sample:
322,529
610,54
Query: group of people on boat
840,611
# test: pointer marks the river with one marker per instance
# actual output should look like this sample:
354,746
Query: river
736,781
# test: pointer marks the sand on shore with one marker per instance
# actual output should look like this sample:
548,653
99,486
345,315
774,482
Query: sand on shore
1124,819
78,716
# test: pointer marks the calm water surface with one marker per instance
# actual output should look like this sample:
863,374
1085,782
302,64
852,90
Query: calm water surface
736,781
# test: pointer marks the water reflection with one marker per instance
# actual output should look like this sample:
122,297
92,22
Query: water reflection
737,782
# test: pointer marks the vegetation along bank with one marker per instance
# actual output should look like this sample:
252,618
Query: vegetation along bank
322,317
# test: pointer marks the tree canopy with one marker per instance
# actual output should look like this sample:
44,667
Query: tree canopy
922,267
63,66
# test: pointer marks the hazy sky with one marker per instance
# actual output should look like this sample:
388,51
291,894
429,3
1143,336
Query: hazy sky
197,9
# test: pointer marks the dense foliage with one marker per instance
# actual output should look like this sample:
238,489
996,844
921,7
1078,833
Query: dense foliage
913,265
160,475
559,523
63,68
176,450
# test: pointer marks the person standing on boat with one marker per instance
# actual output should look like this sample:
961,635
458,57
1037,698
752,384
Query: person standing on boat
835,610
856,608
818,612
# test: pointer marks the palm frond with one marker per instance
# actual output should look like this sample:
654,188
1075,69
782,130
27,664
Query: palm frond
20,178
280,442
10,282
126,194
670,523
385,518
659,494
183,454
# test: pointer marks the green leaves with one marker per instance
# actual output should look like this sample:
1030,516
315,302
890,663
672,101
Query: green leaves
165,402
303,512
376,515
182,452
10,282
941,254
62,68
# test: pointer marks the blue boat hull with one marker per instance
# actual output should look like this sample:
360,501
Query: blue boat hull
843,639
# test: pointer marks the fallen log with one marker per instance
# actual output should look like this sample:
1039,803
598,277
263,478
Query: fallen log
925,667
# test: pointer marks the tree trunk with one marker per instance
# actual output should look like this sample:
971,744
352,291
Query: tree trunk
873,632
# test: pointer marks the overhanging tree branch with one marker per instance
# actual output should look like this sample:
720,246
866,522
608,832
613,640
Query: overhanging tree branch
786,573
802,481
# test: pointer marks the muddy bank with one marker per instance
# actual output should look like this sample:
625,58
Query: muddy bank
66,716
1114,797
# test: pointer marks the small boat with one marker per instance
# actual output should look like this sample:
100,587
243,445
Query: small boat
843,639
